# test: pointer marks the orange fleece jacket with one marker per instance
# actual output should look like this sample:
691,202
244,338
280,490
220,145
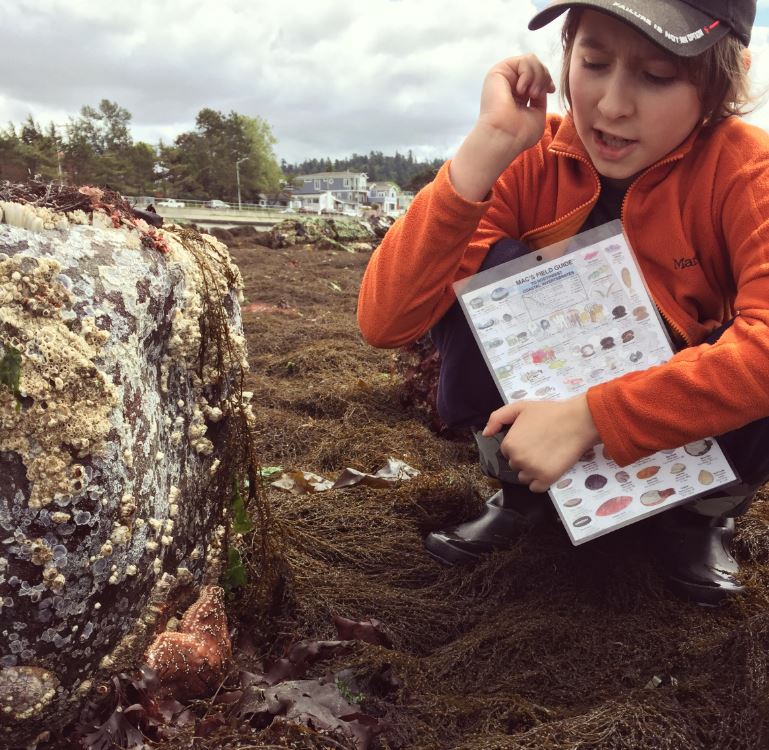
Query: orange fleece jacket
698,221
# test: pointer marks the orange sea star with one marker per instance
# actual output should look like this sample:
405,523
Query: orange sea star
192,660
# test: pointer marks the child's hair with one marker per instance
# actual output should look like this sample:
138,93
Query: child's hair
720,73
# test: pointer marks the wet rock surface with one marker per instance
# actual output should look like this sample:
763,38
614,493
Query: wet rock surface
111,413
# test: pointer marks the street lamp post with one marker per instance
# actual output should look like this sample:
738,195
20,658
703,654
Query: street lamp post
237,176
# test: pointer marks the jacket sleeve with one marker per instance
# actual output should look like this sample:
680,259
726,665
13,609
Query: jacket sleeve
407,286
708,389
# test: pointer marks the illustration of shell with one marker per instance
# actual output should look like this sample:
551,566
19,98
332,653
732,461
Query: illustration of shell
572,502
582,521
655,497
698,447
614,505
563,483
677,468
622,476
647,472
596,481
705,477
626,280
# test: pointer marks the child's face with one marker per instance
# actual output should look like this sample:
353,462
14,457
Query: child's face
630,103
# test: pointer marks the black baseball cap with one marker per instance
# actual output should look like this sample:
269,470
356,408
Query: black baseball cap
683,27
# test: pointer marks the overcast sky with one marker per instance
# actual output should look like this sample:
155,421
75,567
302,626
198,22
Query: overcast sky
331,77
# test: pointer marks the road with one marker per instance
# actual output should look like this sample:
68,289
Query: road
222,217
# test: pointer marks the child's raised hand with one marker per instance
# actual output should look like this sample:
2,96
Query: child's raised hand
512,119
514,99
545,439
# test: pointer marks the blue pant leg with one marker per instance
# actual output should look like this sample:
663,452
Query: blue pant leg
466,390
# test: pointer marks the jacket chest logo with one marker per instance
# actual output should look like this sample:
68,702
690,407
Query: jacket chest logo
679,263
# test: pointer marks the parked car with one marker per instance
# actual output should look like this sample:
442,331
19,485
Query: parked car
217,204
171,203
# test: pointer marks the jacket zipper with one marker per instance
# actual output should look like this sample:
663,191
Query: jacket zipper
536,230
666,317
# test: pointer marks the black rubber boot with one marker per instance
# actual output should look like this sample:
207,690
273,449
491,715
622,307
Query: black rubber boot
697,558
508,514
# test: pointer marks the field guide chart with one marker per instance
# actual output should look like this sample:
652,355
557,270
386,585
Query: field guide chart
561,319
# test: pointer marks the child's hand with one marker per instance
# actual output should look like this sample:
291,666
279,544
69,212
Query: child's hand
545,439
512,119
514,99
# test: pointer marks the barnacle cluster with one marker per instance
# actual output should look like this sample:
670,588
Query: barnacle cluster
66,399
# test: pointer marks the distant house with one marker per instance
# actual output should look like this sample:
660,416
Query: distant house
348,187
314,202
405,199
385,195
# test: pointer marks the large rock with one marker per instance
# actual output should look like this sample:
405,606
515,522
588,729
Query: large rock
118,348
327,233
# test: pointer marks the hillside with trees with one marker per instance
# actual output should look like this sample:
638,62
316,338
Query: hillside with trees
405,171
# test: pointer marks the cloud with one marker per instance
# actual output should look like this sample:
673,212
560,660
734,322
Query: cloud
330,77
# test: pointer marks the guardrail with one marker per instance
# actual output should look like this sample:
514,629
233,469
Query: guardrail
143,200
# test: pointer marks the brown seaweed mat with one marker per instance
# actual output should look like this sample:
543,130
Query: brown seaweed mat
545,647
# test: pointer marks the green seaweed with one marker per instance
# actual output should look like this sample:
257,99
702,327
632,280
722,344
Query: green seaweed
10,371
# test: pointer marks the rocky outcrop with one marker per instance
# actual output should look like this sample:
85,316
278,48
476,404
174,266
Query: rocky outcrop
119,345
347,234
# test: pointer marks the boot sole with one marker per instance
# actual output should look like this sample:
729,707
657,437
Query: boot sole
704,596
448,554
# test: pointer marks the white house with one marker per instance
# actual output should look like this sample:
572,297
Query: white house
314,202
384,195
349,187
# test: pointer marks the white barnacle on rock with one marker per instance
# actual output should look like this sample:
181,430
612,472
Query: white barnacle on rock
121,534
41,552
25,691
203,446
184,576
156,525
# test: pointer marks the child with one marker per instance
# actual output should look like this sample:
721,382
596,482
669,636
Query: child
651,137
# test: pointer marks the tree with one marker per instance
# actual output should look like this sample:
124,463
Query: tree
104,129
100,150
201,163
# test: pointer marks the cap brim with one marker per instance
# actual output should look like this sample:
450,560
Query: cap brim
673,25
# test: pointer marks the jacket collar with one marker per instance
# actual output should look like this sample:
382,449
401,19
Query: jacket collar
567,142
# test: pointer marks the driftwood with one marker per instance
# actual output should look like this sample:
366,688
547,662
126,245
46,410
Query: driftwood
120,351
